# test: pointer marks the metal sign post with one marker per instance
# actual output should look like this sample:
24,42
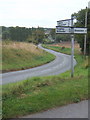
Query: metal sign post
72,48
72,55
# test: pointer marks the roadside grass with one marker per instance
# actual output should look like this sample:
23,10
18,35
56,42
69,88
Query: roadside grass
63,49
41,93
20,55
58,49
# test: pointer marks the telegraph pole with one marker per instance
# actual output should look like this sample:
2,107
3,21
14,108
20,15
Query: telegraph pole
85,37
72,47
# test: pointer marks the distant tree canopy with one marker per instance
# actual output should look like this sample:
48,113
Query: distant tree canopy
34,35
62,37
80,17
15,33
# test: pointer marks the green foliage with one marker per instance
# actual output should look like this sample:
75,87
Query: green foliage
15,33
38,35
35,35
48,41
31,39
80,17
62,37
52,33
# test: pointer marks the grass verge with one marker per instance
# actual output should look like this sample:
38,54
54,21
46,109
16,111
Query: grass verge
58,49
41,93
65,50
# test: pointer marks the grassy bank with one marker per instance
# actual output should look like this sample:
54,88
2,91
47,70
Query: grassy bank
20,55
41,93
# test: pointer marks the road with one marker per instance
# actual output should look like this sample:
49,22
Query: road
76,110
61,64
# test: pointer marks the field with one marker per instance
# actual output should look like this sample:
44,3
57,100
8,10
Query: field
67,45
21,55
41,93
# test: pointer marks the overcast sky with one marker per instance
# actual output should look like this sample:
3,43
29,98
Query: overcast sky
34,13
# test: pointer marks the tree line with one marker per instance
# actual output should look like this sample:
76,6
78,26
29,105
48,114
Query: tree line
17,33
35,35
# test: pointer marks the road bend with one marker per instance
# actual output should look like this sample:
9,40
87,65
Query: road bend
61,64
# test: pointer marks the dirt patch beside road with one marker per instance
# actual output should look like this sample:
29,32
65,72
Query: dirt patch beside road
67,45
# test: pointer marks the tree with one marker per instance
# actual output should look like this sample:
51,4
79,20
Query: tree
5,33
62,37
80,17
38,35
52,33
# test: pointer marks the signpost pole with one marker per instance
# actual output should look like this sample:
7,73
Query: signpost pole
72,48
72,55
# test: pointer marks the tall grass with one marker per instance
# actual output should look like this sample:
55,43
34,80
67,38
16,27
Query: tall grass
19,55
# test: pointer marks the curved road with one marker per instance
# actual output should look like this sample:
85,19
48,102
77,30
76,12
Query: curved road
61,64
